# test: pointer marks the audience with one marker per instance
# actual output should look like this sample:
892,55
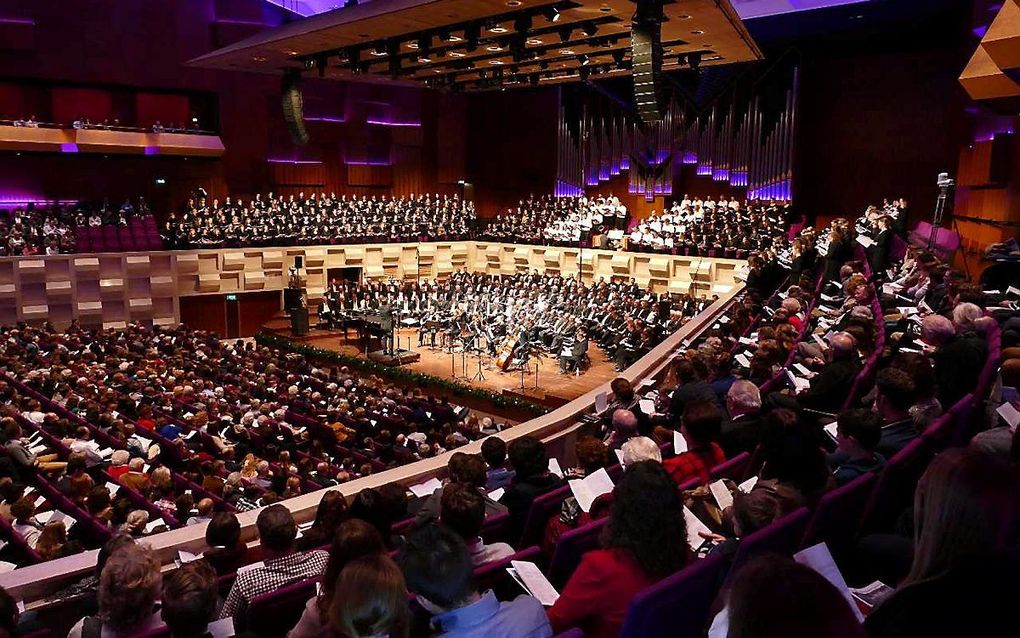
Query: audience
354,539
129,587
774,597
370,600
281,566
188,600
645,539
438,569
858,433
699,427
532,478
463,512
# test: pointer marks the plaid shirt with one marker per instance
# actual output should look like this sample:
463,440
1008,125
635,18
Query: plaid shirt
694,463
272,575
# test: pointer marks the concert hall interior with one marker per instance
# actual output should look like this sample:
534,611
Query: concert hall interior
509,318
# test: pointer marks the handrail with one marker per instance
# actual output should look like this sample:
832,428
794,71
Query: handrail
37,581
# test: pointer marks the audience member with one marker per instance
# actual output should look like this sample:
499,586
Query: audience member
129,587
438,569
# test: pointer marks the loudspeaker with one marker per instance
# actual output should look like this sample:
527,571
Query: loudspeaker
293,106
299,261
646,53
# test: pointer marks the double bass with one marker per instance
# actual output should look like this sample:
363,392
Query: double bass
505,352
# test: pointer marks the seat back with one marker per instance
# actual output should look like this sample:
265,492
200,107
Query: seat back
570,548
677,606
275,613
542,508
733,469
779,537
894,490
837,515
489,574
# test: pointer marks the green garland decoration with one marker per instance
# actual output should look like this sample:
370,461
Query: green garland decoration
398,374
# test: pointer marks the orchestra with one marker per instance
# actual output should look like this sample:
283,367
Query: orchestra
512,318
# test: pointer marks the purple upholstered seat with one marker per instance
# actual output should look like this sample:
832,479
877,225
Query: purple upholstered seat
836,517
733,469
276,613
895,488
677,606
780,537
570,547
543,507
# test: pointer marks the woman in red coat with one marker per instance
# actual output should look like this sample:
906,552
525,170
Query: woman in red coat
644,540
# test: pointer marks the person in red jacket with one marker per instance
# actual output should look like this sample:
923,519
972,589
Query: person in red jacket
700,426
644,541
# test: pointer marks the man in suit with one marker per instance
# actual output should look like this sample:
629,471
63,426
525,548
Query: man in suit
878,252
386,315
741,430
578,349
691,374
830,386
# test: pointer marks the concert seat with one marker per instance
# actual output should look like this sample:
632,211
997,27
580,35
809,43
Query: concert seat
542,508
837,514
677,606
780,537
275,613
894,490
570,547
734,469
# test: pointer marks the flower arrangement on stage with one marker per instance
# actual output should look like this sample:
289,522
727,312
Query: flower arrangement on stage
397,374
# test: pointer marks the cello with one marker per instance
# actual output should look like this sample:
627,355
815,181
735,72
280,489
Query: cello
504,353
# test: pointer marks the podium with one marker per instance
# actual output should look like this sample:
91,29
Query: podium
292,298
299,321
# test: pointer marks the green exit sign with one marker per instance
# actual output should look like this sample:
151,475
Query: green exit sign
231,297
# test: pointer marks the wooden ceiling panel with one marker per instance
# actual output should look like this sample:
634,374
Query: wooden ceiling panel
600,30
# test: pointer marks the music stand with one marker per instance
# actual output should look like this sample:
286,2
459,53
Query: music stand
478,375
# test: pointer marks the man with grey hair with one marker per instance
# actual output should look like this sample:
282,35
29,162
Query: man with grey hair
741,430
625,426
640,448
957,360
829,387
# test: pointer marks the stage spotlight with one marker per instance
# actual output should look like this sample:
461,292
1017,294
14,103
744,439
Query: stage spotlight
583,73
565,34
583,59
522,23
590,29
618,58
424,43
380,49
544,64
552,14
694,59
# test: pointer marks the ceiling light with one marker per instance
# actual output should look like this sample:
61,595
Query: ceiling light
697,32
495,62
493,47
513,3
534,41
457,54
412,45
380,50
454,38
552,14
683,16
259,58
424,59
566,52
583,59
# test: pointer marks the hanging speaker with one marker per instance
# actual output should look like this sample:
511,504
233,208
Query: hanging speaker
646,53
293,106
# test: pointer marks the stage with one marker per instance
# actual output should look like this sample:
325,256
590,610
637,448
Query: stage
553,389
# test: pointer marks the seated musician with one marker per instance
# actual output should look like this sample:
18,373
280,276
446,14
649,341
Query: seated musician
572,355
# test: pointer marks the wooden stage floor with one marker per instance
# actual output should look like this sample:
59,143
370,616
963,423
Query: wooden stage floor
555,388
